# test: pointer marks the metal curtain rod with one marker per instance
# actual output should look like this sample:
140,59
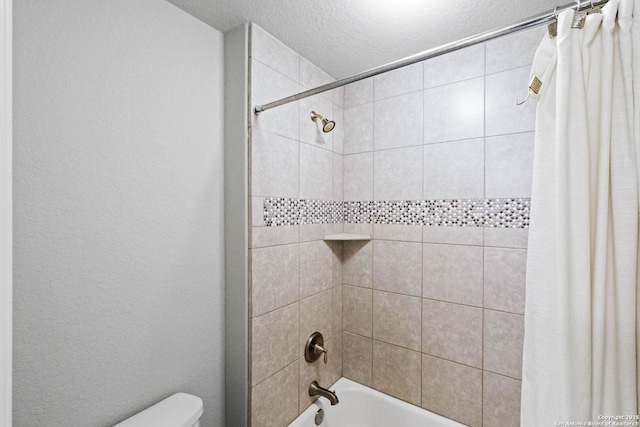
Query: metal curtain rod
534,21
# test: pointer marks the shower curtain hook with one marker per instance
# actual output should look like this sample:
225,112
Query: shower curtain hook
578,4
593,8
534,87
552,28
525,100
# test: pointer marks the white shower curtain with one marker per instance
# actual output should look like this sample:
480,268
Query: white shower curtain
580,359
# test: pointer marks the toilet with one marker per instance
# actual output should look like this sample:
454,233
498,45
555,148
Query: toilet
179,410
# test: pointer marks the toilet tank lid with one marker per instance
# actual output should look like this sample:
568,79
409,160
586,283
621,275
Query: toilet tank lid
179,410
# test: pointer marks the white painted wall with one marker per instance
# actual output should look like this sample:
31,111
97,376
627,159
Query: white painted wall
6,229
118,235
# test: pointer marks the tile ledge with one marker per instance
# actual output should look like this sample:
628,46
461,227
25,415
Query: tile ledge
346,236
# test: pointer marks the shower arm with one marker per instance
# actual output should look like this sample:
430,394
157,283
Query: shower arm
535,21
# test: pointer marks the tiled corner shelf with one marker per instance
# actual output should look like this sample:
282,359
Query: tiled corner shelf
347,236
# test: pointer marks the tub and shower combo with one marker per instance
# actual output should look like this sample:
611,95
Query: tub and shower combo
350,404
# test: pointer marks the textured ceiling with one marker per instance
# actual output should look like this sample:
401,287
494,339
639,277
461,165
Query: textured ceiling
344,37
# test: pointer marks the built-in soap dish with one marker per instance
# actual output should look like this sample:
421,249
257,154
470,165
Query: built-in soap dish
346,236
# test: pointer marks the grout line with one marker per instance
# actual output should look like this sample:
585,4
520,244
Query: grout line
422,279
453,303
424,153
298,359
528,66
453,361
274,310
483,136
427,299
503,312
484,192
427,242
300,172
466,79
530,131
468,245
394,345
501,375
427,88
373,193
428,354
289,364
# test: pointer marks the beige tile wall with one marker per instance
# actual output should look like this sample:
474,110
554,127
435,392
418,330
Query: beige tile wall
296,277
434,315
453,317
431,315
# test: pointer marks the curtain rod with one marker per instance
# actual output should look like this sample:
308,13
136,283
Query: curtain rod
543,18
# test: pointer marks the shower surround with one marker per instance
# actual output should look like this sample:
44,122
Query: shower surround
434,162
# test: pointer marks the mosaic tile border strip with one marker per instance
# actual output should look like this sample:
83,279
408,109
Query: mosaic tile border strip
286,211
499,213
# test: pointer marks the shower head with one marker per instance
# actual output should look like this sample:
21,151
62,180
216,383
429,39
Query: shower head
327,125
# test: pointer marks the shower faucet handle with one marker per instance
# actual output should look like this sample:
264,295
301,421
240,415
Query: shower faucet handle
314,348
318,349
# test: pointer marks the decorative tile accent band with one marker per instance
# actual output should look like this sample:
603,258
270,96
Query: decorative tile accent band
286,211
501,213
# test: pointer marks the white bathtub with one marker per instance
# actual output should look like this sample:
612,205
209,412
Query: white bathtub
361,406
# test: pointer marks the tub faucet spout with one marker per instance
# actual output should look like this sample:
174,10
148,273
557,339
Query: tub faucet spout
316,390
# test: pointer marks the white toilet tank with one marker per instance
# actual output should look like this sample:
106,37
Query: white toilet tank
179,410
